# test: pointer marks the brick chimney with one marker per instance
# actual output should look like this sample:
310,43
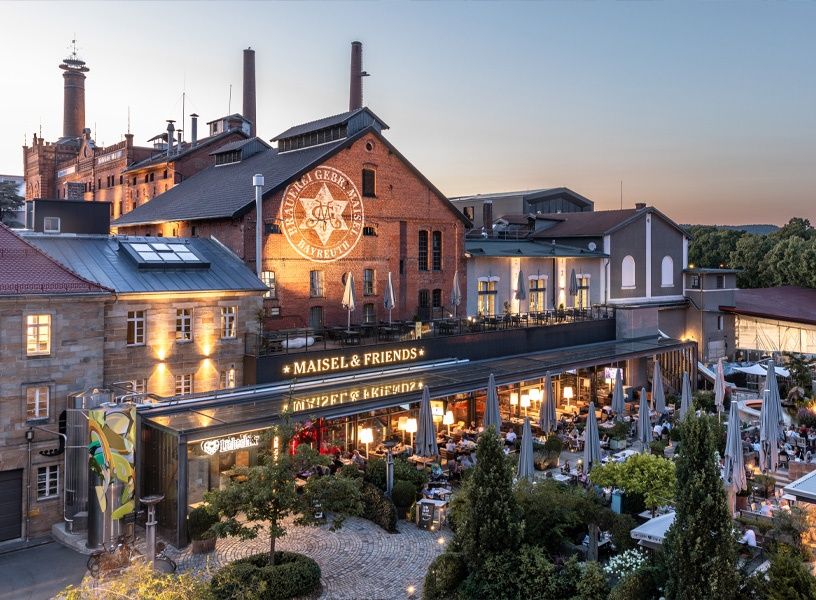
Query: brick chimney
356,78
487,216
249,89
73,108
640,205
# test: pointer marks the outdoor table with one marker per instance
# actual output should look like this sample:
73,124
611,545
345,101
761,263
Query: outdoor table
388,332
447,327
350,337
561,478
421,460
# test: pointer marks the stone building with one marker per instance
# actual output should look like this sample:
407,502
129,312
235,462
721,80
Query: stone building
51,345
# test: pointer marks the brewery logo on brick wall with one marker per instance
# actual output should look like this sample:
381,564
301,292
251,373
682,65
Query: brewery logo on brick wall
322,215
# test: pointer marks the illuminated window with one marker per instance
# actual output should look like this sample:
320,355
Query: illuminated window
486,293
268,278
369,183
184,324
368,282
369,316
538,293
228,378
229,316
422,252
316,288
136,328
436,251
184,384
38,335
469,211
37,400
582,300
628,272
47,482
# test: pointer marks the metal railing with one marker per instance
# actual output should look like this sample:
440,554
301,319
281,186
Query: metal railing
293,341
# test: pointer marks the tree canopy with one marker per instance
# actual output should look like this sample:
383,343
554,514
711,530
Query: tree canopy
10,202
646,475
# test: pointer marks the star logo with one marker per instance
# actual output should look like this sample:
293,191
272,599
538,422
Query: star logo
324,214
421,352
286,369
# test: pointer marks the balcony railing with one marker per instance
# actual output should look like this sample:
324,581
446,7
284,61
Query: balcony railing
301,340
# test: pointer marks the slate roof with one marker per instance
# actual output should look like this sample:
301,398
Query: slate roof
25,269
785,303
489,247
238,144
99,258
526,195
326,122
161,157
595,224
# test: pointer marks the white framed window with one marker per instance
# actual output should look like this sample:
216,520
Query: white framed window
184,384
368,282
228,378
51,225
582,299
369,316
486,292
316,288
268,278
38,335
667,272
47,482
538,293
136,328
229,315
184,324
628,280
37,401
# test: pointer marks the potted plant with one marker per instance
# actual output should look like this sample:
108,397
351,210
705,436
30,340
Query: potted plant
199,522
540,461
765,484
552,451
618,435
403,495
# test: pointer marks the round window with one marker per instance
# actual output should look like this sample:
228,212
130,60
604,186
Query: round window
369,146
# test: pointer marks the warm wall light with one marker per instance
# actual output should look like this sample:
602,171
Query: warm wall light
411,427
448,420
366,437
513,399
525,403
535,394
569,394
161,353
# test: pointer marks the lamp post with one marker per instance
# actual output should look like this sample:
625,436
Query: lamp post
389,465
366,437
258,183
150,526
411,427
448,420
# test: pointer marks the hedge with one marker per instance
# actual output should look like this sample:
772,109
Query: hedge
378,508
253,578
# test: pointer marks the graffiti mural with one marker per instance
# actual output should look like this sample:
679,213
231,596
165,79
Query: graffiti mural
111,448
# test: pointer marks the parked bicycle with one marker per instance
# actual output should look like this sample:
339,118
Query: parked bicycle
164,563
112,559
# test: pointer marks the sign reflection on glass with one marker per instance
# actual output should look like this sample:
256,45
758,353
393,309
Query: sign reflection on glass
370,392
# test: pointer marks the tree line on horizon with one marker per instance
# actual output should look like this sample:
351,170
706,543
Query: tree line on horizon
786,256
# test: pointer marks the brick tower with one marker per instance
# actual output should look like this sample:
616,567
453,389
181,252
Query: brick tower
73,120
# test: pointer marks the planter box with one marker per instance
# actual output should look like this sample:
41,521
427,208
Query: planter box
203,546
742,502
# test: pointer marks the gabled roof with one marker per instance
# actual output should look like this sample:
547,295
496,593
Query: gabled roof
594,224
161,157
100,258
527,196
785,303
26,270
325,122
238,144
498,248
232,116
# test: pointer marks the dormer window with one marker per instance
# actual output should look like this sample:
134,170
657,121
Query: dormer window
227,158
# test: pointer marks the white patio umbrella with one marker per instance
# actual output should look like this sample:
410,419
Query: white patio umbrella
388,299
592,441
618,400
770,422
734,469
685,396
658,395
521,288
546,415
456,293
426,431
719,387
492,416
644,426
348,297
525,464
772,386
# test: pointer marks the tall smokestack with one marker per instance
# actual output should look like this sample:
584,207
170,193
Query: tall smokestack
249,89
73,115
357,74
193,129
170,130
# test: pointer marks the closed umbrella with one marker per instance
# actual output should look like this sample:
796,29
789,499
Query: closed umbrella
685,396
521,288
644,426
348,297
573,286
734,470
389,297
546,415
492,409
658,395
772,386
525,464
592,441
618,401
719,387
426,432
456,293
770,422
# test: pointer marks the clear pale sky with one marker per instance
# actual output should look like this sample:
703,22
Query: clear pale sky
705,110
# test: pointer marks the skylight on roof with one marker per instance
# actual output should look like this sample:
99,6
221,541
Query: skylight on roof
161,253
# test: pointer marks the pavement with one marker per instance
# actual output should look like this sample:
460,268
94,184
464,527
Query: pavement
39,572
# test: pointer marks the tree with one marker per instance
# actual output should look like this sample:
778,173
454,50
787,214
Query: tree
10,202
646,475
593,584
489,520
700,545
263,496
748,257
711,246
789,578
801,372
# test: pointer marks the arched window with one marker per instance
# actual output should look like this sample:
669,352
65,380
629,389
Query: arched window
667,272
628,272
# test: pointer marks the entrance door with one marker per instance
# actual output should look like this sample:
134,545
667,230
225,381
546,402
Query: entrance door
11,504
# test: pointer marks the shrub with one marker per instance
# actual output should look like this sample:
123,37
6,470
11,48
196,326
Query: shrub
350,472
592,585
378,508
806,417
553,445
703,400
526,573
765,484
253,578
199,521
445,575
621,530
620,431
657,447
375,473
403,494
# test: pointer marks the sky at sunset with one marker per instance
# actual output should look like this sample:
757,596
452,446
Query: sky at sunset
704,110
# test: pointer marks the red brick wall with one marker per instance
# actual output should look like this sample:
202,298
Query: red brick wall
401,196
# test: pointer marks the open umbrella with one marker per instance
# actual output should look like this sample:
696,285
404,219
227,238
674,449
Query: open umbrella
492,409
456,293
546,415
618,401
573,286
426,432
348,297
685,396
644,426
658,395
521,288
592,441
389,297
734,470
525,464
719,387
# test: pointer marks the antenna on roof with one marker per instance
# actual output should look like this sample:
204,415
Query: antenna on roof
229,103
128,118
621,194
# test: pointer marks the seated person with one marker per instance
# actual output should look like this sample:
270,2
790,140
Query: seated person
749,538
766,509
357,459
336,464
450,447
510,437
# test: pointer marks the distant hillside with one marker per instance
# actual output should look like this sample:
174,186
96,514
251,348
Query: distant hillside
756,229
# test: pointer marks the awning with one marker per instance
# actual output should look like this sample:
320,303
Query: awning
654,530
